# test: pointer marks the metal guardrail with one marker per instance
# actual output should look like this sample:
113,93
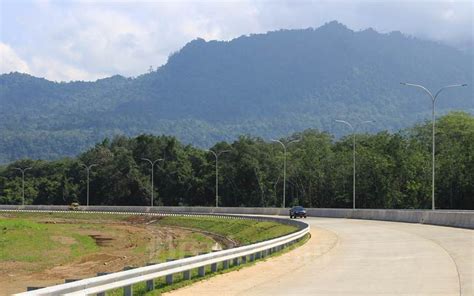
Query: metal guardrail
126,279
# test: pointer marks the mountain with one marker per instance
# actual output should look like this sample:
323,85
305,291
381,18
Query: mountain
267,85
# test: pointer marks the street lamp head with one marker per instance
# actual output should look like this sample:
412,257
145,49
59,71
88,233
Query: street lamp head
465,84
294,141
24,169
88,167
277,141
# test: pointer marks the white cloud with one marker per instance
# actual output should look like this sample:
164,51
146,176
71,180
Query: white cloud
10,61
55,70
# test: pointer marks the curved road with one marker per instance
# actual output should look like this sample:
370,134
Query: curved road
359,257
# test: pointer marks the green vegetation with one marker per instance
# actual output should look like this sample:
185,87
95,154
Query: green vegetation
393,171
85,219
242,231
268,85
45,244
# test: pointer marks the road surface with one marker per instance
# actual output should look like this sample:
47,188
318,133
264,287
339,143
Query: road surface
359,257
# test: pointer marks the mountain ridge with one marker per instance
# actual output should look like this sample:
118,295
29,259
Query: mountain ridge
268,85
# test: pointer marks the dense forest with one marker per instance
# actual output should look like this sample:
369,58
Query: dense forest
265,85
393,171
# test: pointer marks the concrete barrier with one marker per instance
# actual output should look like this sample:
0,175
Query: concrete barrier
463,219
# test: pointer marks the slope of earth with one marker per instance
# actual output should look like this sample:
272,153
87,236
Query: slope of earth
38,249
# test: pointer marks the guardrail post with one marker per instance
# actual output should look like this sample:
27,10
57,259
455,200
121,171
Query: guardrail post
225,264
214,267
100,274
169,277
235,262
258,255
127,290
202,270
187,273
252,257
243,259
150,284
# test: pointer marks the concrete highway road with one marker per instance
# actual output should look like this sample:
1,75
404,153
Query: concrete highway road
359,257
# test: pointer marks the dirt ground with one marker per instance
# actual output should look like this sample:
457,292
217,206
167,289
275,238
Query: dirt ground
135,242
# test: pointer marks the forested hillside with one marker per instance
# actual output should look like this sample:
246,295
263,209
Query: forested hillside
266,85
393,171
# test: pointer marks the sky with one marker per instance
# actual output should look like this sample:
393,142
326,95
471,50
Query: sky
89,40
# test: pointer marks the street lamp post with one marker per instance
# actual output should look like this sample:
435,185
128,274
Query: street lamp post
88,169
216,155
433,119
260,186
23,170
353,159
152,163
284,167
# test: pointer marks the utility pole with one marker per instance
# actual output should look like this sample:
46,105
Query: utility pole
433,119
284,167
353,159
216,155
88,169
23,170
152,163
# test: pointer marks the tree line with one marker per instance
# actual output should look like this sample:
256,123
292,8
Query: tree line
393,171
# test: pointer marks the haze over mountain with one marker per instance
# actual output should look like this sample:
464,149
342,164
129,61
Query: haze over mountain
266,85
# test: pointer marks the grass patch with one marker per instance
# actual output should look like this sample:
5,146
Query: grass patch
30,239
242,231
84,245
23,240
67,215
